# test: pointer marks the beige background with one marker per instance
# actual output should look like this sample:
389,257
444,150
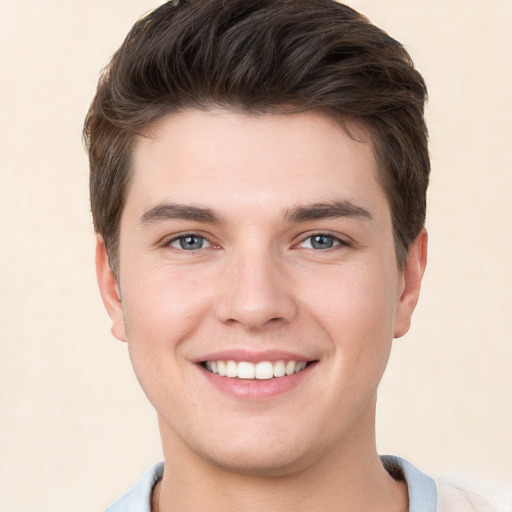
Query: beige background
76,431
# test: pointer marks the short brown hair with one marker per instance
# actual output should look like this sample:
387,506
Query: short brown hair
261,56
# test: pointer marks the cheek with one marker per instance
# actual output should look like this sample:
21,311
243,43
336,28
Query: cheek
356,312
161,313
353,301
162,307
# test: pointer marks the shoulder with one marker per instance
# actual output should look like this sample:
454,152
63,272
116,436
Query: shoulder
457,494
138,498
460,497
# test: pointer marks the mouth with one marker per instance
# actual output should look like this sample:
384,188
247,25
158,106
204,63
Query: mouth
264,370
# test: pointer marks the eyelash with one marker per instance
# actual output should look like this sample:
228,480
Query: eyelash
182,237
334,239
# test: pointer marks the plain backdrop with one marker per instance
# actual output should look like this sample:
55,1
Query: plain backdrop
76,431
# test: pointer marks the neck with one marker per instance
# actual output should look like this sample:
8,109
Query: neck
348,478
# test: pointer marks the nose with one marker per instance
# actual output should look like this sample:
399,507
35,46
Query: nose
256,293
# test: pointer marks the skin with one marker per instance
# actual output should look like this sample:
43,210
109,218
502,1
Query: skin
259,283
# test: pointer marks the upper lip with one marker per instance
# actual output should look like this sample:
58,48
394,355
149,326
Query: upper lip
252,356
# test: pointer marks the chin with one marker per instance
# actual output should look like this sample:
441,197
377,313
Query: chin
270,452
257,462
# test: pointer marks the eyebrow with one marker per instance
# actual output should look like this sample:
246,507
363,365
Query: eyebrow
319,211
303,213
174,211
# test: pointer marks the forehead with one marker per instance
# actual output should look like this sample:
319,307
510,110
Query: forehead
226,159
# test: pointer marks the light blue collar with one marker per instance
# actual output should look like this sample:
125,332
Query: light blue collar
422,489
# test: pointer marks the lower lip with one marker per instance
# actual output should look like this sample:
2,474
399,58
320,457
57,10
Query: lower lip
253,389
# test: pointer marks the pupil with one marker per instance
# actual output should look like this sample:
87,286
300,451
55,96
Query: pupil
322,242
191,242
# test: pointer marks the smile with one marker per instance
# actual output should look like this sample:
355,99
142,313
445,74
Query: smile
263,370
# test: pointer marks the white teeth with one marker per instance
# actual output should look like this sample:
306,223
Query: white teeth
300,366
279,369
261,371
290,367
264,370
245,370
231,369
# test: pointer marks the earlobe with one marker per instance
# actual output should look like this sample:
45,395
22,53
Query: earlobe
109,290
412,276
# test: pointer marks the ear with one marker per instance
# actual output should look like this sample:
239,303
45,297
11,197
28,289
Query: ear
109,290
412,275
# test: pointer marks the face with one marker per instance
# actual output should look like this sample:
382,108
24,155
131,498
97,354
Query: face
259,291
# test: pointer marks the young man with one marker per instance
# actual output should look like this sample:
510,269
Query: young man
258,180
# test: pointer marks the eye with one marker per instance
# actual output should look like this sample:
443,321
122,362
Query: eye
189,242
321,241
